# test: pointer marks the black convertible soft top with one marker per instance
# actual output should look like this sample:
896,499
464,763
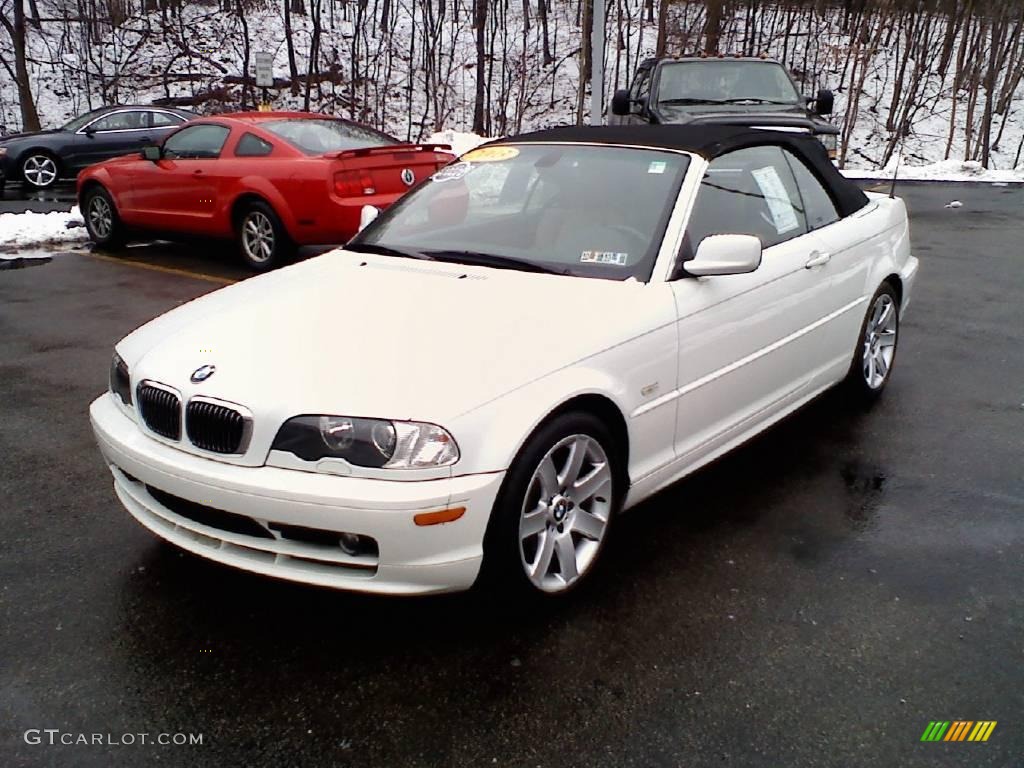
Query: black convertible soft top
710,140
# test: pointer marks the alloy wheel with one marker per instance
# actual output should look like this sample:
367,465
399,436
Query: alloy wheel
565,513
879,341
101,217
40,170
258,237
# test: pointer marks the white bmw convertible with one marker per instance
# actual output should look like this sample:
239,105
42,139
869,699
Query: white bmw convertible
537,338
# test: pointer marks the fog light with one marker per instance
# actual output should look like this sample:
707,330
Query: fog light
350,543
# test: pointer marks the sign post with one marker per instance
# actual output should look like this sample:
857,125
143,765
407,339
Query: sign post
264,63
597,64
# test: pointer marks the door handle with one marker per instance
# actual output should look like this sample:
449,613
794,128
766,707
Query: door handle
197,172
817,259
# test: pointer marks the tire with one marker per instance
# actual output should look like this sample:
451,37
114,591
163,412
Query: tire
543,540
263,241
875,354
40,170
101,220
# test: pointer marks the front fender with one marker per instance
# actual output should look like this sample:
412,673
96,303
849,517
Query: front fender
499,429
100,175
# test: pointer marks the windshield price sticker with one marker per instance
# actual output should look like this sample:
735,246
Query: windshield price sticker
491,154
779,205
657,166
616,258
452,172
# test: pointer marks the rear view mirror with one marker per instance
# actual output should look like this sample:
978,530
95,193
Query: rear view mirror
620,102
368,214
825,102
151,153
725,255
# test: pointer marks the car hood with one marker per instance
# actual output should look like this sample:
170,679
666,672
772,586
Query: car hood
365,335
774,115
10,137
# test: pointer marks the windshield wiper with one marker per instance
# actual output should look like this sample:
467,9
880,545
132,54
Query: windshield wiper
493,260
387,250
691,101
753,100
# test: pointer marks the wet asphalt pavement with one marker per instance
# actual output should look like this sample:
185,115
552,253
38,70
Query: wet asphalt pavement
815,599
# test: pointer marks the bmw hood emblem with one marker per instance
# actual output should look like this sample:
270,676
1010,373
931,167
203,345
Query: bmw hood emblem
408,177
202,373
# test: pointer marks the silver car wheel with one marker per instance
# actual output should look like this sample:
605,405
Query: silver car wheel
39,170
101,217
258,236
565,513
879,341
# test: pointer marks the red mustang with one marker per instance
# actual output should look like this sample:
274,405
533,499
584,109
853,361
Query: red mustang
273,180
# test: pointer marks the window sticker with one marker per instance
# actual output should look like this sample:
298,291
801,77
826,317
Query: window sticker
452,172
615,258
779,206
657,166
491,154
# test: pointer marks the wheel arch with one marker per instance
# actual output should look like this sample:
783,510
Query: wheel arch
510,422
608,413
897,285
263,193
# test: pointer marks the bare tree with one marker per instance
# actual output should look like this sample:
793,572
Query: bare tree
16,30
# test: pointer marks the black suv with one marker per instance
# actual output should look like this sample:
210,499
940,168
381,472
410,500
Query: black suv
724,89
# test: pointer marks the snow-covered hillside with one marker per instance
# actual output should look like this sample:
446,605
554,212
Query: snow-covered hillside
415,73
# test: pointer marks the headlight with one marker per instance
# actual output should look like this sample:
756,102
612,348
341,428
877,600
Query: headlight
120,381
367,442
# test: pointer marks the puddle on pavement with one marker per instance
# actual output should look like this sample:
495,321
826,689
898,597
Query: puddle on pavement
20,262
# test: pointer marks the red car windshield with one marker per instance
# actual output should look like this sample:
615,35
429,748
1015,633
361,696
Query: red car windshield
314,137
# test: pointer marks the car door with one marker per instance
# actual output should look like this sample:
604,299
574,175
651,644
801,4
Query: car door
115,133
750,344
179,192
849,255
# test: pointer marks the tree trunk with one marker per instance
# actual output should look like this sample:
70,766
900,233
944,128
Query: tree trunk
29,116
293,69
542,11
662,43
713,25
480,21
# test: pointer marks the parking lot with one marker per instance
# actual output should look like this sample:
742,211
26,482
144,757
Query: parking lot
815,599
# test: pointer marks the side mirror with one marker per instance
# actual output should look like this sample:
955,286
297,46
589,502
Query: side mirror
368,214
90,131
725,255
151,153
824,103
620,102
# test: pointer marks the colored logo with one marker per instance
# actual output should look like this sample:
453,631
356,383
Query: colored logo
408,177
958,730
203,373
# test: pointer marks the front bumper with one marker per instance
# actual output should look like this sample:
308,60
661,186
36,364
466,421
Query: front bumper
411,559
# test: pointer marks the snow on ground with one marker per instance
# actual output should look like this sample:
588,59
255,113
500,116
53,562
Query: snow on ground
944,170
31,228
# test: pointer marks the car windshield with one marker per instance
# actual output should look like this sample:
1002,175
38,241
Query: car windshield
78,122
724,81
314,137
583,210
